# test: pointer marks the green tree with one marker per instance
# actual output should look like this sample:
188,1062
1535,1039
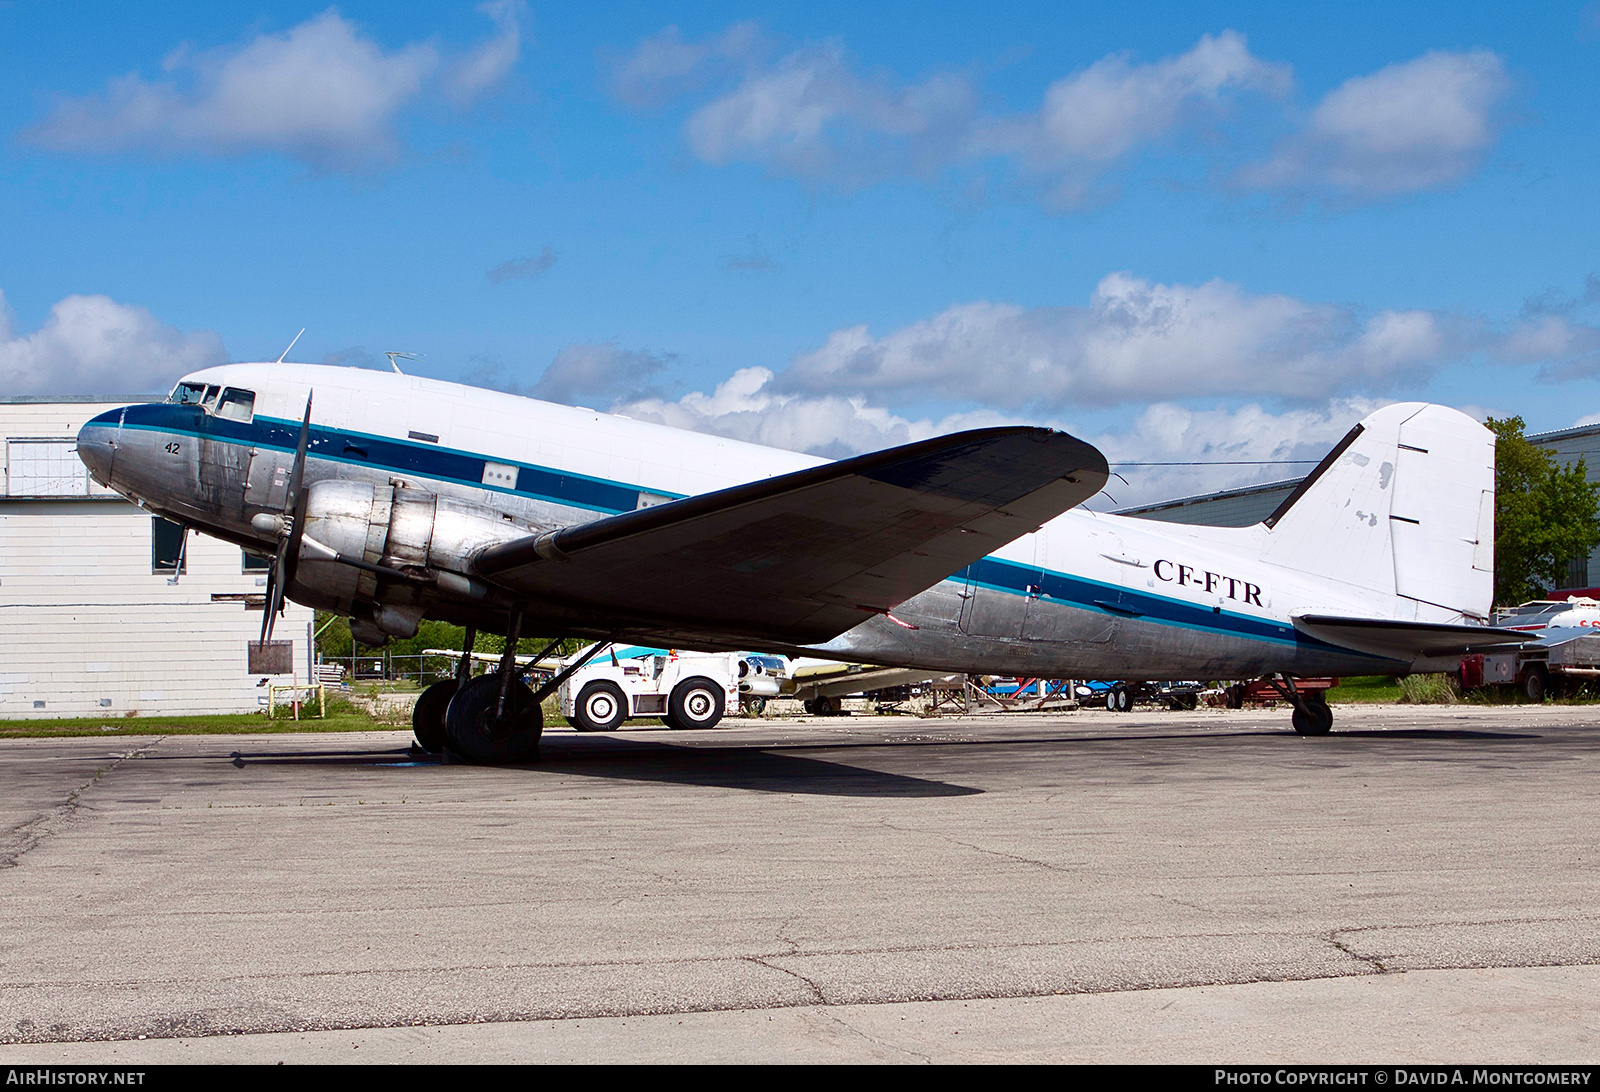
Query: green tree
1545,515
335,642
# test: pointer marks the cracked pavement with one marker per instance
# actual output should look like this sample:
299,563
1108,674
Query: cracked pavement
192,886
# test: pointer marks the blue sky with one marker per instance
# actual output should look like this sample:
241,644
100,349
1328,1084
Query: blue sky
1185,232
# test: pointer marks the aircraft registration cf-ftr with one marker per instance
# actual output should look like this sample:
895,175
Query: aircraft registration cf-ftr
389,498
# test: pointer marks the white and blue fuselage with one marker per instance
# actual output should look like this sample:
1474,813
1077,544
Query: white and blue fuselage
1087,595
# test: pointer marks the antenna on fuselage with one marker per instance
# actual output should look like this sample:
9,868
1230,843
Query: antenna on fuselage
401,356
291,345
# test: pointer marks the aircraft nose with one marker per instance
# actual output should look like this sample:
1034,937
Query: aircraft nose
97,445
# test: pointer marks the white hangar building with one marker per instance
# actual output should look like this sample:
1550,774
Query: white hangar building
95,618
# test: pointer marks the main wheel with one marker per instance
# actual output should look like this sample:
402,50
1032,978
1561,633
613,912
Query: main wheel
823,706
1317,720
601,707
475,733
427,716
695,703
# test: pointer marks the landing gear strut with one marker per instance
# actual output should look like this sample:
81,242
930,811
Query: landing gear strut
495,718
1312,714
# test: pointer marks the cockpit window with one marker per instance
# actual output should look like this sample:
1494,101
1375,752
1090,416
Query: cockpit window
236,404
187,394
209,401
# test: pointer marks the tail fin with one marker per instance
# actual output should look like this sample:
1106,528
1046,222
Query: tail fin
1404,505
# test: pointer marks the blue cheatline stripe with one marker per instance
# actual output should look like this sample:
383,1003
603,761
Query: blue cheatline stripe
386,454
1012,578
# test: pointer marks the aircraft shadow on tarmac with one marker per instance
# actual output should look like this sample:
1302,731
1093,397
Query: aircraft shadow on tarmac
777,769
755,769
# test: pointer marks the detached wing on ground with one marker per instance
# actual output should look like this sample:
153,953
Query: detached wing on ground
1409,641
803,557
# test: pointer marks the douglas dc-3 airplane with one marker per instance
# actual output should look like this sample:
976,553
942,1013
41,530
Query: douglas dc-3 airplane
390,498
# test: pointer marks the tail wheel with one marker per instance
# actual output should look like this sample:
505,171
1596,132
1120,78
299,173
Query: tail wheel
695,703
601,707
427,716
1315,720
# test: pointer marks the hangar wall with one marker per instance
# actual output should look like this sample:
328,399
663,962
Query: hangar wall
91,623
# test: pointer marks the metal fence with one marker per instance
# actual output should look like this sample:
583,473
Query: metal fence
386,667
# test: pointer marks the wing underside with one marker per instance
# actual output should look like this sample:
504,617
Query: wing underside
803,557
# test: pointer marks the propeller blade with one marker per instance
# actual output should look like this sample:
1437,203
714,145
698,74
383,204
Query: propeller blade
294,509
294,503
273,604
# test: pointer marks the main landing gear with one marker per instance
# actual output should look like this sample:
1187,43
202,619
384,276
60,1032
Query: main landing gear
492,719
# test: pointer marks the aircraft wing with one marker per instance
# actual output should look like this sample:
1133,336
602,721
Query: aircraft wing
802,557
1402,640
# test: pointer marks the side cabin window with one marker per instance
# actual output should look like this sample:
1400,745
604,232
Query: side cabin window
236,404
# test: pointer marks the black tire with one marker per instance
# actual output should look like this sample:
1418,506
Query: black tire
472,734
1317,720
1123,699
824,706
601,707
427,716
1534,683
1233,697
1111,700
695,703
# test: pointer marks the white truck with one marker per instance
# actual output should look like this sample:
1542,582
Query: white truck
685,689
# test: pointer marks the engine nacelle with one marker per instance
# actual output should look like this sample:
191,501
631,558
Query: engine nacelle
399,528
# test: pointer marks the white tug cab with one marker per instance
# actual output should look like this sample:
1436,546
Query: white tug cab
685,689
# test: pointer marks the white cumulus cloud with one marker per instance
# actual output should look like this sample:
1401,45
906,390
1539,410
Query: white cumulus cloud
1134,341
813,113
1227,447
1418,125
745,407
1099,115
95,345
321,92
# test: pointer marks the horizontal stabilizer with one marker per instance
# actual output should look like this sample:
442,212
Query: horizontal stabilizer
803,557
1408,641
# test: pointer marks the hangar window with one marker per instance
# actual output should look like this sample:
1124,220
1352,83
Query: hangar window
45,467
255,563
236,404
166,547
